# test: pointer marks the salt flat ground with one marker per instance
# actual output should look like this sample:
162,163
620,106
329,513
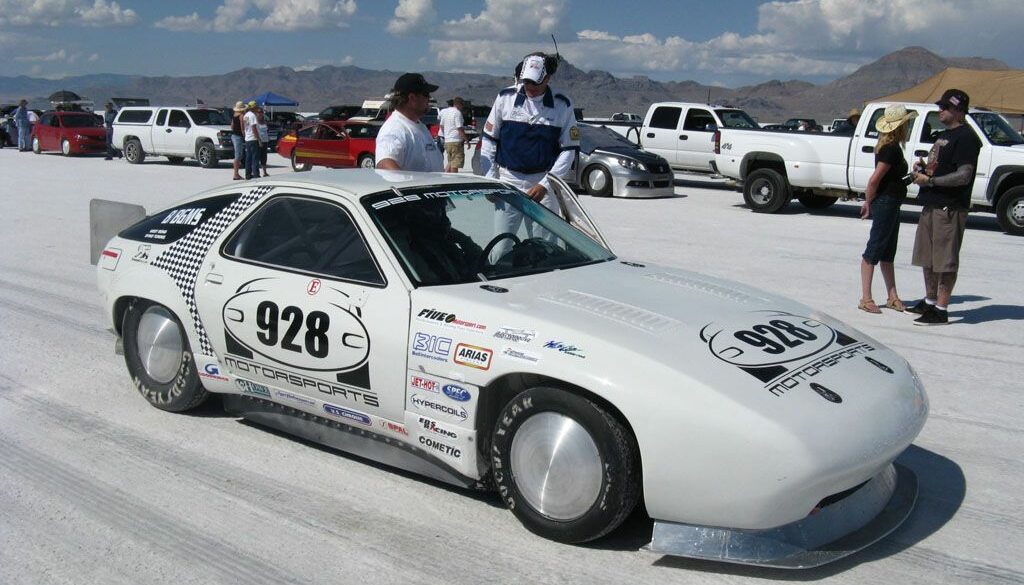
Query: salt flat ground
98,487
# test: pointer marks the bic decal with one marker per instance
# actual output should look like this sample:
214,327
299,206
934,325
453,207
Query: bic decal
321,335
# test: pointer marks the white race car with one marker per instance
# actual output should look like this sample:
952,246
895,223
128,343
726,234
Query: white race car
380,313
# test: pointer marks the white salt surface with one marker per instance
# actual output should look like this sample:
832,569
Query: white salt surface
98,487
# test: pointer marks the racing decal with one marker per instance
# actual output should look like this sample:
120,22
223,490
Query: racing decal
783,350
142,254
457,393
431,347
183,258
427,384
520,355
392,427
428,404
252,388
434,444
286,396
212,371
324,336
275,375
515,335
449,319
313,287
473,356
349,416
565,348
432,427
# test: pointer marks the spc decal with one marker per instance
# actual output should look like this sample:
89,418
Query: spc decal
347,415
473,356
183,258
457,393
424,403
431,347
325,334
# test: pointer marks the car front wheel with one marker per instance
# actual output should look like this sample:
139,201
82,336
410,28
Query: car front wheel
1010,211
65,147
598,181
36,147
158,357
565,466
366,161
206,154
297,166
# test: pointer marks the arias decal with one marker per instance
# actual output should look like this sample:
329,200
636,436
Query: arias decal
473,356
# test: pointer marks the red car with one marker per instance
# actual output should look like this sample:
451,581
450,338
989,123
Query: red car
334,144
69,132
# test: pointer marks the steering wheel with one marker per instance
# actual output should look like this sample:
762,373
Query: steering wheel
533,251
484,262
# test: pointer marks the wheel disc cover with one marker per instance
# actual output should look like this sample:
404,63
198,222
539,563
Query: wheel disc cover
597,180
556,466
761,191
159,345
1016,212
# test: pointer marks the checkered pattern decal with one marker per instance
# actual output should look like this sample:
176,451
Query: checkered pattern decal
183,259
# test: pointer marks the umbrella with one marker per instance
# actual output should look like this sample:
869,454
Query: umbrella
64,96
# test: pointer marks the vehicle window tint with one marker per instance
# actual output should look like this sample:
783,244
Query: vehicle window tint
872,131
698,120
51,121
930,129
161,118
305,235
134,116
736,119
363,131
80,121
174,223
179,119
666,117
208,117
306,132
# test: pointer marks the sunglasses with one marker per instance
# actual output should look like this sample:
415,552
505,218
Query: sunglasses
530,82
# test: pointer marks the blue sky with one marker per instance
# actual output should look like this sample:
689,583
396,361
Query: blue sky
731,43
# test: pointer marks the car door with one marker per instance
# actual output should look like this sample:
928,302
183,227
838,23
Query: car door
160,131
177,134
695,149
298,304
661,133
47,130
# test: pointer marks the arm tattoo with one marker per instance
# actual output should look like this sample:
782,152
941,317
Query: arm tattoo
961,176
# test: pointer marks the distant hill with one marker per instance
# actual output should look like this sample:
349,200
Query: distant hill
598,92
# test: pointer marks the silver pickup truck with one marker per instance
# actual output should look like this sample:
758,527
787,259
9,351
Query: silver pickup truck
177,133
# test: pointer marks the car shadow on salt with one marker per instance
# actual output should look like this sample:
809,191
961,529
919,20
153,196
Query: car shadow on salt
941,490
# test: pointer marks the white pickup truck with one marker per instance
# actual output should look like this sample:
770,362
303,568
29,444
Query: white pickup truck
682,132
774,166
177,133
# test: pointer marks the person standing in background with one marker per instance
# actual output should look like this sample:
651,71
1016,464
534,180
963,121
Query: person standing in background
885,193
21,120
109,114
264,135
404,143
252,142
454,132
237,141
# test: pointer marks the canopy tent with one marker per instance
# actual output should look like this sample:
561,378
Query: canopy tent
1001,91
64,96
272,99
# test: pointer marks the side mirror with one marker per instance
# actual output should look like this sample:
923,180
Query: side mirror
711,127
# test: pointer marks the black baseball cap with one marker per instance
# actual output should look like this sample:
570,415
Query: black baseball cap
413,83
954,99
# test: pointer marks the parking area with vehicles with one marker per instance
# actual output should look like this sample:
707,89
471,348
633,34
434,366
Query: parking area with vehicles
94,476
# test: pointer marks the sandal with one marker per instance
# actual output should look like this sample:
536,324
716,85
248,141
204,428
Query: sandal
896,305
869,306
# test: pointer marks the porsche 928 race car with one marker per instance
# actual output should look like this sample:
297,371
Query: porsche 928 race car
378,312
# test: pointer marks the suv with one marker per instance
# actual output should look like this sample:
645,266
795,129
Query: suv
177,133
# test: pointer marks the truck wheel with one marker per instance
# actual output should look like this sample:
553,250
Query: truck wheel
565,467
207,156
766,191
366,162
299,167
1010,211
597,181
133,151
812,201
158,358
175,160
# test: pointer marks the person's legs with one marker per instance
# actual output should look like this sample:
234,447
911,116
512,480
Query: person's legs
25,137
946,281
239,147
263,159
252,169
889,276
110,144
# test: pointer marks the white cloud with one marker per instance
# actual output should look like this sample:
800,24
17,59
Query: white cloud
65,12
93,58
317,63
510,20
266,15
59,55
412,16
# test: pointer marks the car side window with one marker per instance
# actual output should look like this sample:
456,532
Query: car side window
931,128
871,131
305,235
178,119
666,117
161,118
53,121
698,120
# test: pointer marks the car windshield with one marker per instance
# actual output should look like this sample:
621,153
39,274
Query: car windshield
997,129
208,117
594,137
446,234
82,121
736,119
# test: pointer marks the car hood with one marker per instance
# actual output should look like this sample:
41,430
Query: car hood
631,152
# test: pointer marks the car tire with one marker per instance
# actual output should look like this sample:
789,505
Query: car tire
158,357
36,147
565,466
298,168
65,147
812,201
597,180
175,160
766,191
1010,211
206,154
133,152
366,162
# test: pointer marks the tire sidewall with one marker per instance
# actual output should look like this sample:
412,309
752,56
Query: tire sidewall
36,146
1004,209
65,147
181,393
603,516
208,161
607,185
133,151
363,159
777,183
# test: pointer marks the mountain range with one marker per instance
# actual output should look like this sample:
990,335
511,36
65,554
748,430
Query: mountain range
598,92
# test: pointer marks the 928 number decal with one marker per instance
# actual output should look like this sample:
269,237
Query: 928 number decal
775,337
315,340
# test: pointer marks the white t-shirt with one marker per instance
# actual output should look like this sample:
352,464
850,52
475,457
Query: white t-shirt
451,120
409,144
249,122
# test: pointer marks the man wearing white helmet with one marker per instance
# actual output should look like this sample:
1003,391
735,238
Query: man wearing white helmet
531,131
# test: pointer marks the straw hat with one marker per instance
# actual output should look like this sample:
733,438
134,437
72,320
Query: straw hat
894,115
239,107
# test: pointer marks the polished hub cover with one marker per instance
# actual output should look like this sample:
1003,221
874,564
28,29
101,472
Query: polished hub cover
556,466
159,344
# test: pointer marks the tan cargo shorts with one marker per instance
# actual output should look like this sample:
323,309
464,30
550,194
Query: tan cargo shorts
456,154
940,233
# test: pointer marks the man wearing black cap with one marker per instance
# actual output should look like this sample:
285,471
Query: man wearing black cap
403,142
946,182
